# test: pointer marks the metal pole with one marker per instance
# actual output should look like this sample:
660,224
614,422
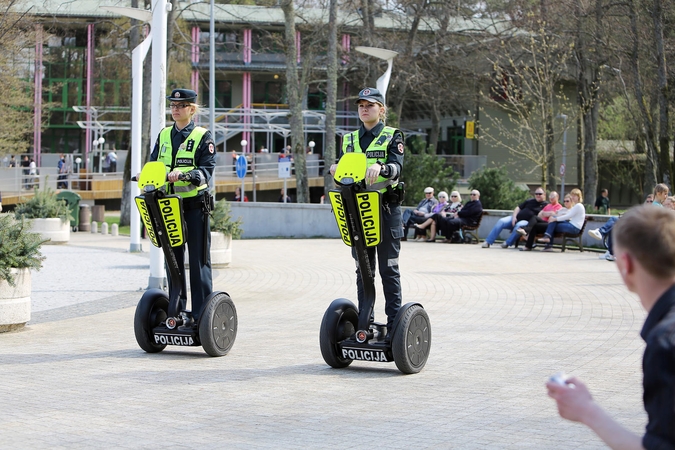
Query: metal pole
212,86
160,11
137,57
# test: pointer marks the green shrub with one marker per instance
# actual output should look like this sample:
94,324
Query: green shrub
423,169
19,247
497,190
221,220
43,205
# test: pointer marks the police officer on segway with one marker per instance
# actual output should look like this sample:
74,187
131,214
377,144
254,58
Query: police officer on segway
383,146
188,149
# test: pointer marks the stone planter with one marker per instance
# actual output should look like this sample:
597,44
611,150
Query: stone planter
15,301
57,230
221,250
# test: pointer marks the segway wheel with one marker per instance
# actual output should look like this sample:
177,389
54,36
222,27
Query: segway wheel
339,322
218,325
150,312
412,340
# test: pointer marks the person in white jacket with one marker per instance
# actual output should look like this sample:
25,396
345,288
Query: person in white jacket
570,221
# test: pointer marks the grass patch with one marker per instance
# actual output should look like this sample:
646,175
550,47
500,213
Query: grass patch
114,217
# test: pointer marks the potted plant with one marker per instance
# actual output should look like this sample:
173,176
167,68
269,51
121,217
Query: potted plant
50,216
19,252
223,230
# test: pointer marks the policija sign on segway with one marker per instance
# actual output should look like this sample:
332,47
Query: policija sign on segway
346,333
159,319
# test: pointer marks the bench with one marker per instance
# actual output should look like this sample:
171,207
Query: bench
574,238
470,232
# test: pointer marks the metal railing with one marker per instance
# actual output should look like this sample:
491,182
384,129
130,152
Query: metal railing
261,168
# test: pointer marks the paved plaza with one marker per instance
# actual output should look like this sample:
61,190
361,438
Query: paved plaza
502,322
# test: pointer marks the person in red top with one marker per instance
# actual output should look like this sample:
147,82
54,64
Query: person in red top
538,223
237,195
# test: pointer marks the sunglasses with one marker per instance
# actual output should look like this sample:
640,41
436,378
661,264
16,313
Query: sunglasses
538,193
567,201
178,106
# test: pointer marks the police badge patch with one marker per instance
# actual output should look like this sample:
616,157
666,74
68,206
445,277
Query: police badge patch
400,148
211,148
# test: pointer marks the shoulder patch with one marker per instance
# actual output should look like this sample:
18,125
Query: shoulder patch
211,148
399,147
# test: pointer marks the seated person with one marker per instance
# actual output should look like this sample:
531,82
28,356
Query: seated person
520,218
448,209
571,221
539,223
469,215
418,215
604,233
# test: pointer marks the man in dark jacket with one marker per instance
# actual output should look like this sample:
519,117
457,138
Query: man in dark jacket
520,218
646,263
469,215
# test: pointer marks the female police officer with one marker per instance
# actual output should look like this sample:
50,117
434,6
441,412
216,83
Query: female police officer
384,152
187,149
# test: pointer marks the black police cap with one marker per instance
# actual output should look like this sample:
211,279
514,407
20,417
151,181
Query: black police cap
178,95
371,95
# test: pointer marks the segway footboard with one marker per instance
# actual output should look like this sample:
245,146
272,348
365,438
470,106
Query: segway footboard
373,350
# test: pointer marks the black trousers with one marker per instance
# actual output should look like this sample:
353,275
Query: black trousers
534,226
387,262
201,277
413,219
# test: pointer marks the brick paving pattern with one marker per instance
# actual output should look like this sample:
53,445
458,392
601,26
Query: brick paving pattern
502,322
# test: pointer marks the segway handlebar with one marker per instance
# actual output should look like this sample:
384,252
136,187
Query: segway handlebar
181,177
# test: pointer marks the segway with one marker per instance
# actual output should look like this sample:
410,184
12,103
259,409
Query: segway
159,320
346,333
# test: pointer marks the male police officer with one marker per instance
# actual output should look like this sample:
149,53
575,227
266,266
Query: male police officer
384,152
187,149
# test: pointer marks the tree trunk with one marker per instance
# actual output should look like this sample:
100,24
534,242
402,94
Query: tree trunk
367,13
170,30
590,118
550,152
331,99
125,201
580,147
294,104
651,163
435,128
662,94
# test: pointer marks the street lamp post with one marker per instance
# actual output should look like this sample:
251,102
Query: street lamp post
243,143
98,144
563,167
78,161
311,144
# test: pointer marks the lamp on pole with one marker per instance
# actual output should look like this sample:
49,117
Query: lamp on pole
98,144
311,146
564,154
387,55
